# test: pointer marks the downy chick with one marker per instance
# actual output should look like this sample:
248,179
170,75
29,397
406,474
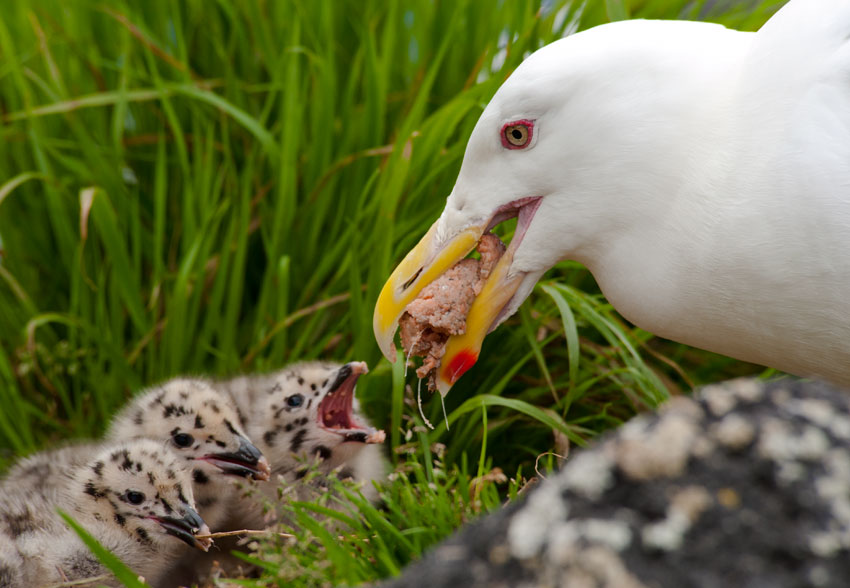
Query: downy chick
307,413
198,423
203,428
43,473
135,498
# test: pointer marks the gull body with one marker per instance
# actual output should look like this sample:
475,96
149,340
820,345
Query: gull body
701,174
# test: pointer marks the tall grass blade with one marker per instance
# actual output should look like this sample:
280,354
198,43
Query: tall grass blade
115,565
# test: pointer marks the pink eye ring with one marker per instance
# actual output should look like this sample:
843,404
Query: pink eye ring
517,134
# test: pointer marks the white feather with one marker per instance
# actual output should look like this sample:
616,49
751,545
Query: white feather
701,174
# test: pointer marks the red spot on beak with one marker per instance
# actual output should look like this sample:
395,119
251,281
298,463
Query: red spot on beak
458,365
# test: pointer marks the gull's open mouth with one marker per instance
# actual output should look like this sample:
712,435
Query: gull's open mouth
335,409
523,210
523,207
503,289
186,529
245,462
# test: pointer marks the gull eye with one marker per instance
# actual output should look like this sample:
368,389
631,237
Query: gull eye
295,400
134,497
183,439
517,134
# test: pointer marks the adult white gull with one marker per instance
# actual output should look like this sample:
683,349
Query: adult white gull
701,174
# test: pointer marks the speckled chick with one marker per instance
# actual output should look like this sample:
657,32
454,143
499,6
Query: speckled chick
135,498
43,473
203,428
748,485
305,413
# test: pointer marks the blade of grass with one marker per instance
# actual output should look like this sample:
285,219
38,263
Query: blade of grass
127,577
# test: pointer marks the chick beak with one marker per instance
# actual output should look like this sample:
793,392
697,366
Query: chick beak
246,462
191,528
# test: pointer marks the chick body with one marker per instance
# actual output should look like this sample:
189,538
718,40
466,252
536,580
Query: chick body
135,498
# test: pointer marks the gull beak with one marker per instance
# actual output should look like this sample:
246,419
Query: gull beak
484,314
424,264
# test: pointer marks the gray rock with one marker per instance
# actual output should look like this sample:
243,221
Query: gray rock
748,485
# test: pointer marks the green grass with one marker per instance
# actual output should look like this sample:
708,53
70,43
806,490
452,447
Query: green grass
343,539
111,562
214,187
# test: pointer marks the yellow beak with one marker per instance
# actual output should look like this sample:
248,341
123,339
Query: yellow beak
462,350
422,265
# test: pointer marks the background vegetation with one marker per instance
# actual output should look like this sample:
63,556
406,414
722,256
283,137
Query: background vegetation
215,187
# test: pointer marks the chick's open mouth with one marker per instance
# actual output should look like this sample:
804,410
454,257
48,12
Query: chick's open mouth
335,413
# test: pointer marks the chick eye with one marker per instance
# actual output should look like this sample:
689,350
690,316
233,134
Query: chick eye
295,400
134,497
517,135
183,439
